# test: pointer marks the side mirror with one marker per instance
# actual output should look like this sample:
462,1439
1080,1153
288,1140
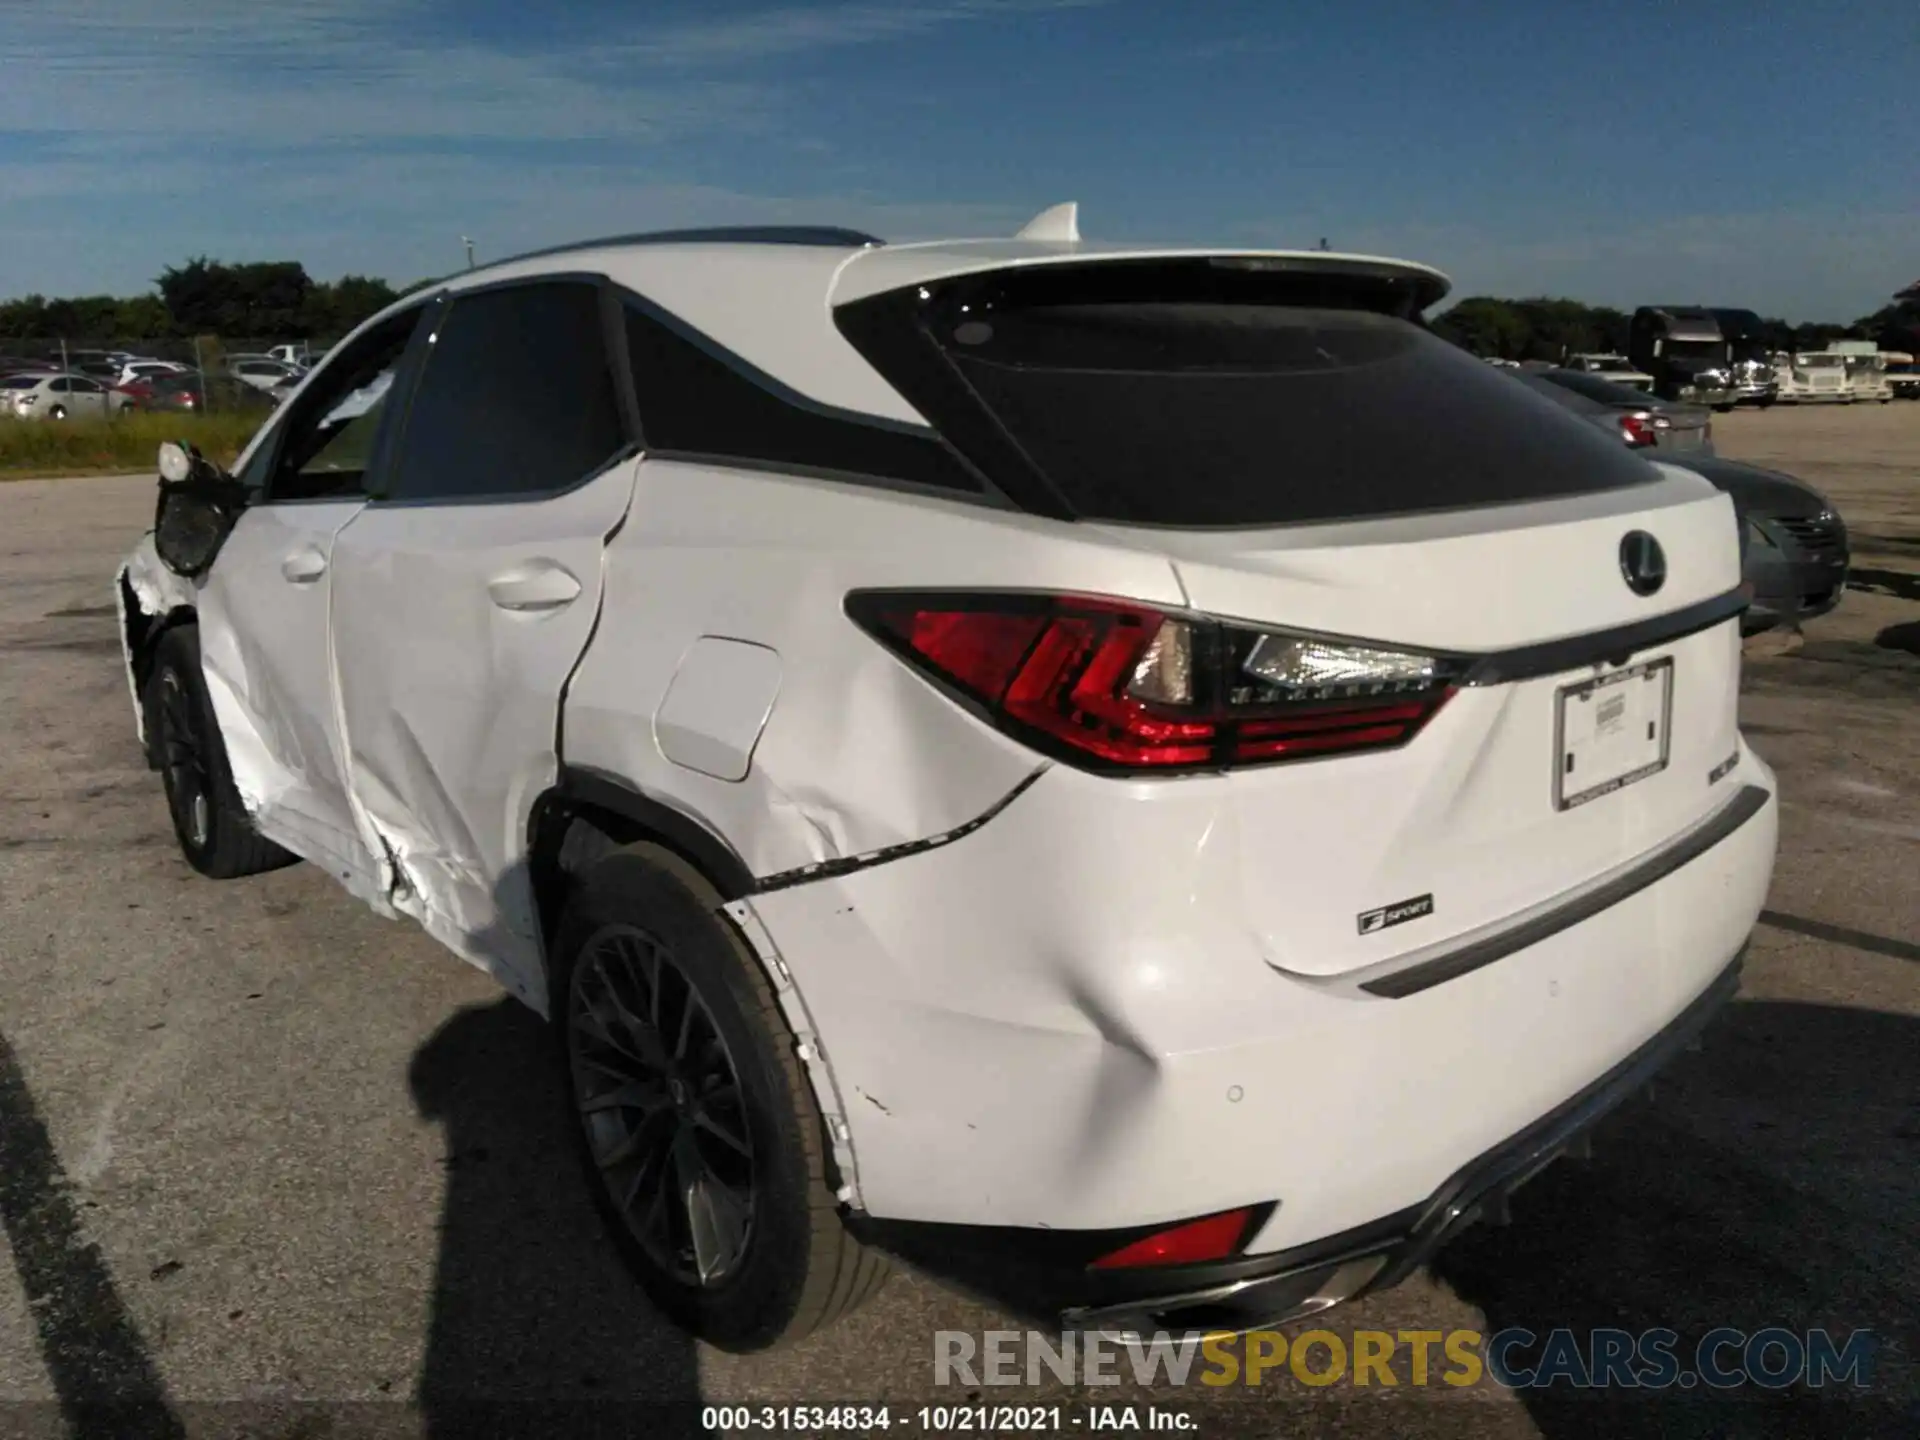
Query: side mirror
175,463
198,507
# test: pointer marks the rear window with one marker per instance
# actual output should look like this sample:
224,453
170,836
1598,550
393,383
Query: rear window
1607,392
1200,394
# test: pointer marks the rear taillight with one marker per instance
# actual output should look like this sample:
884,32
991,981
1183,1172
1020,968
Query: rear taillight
1212,1237
1114,686
1637,430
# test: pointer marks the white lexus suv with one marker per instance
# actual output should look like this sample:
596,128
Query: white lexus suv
1138,780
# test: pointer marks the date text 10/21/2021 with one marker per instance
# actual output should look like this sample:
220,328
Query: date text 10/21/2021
946,1419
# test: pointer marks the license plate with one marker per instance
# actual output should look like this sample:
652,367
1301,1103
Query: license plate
1611,732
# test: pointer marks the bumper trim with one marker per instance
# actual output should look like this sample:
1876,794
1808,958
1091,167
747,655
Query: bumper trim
1615,646
1748,802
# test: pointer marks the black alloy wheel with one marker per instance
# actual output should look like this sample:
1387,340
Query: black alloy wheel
660,1098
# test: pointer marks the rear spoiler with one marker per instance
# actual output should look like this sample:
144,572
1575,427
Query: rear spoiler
1049,242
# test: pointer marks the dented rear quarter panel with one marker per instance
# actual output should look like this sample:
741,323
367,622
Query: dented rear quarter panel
858,753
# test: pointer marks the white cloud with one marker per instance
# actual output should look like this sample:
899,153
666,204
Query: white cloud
401,216
358,134
351,71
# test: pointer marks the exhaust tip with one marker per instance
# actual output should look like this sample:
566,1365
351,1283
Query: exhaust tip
1234,1308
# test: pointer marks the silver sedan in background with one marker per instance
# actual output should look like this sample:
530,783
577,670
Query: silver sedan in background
1639,418
53,396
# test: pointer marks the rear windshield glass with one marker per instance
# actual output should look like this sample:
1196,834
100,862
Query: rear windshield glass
1188,404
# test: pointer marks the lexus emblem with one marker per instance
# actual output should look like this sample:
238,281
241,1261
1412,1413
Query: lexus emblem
1642,562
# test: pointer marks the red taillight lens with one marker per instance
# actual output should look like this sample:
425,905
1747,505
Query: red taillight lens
1213,1237
1111,685
1637,430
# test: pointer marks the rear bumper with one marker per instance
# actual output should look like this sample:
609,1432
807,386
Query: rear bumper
1035,1031
1249,1292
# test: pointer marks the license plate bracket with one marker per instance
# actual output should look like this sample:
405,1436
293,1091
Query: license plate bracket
1611,731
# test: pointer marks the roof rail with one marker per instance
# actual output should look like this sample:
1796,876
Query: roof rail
712,235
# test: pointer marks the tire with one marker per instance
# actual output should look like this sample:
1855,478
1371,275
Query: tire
1723,409
715,1098
216,834
58,412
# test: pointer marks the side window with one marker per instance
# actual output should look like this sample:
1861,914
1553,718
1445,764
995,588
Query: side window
696,399
85,387
324,446
61,386
517,397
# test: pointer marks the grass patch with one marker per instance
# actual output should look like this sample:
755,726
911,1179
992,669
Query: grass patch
55,447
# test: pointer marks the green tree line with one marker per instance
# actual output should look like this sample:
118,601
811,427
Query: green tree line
1552,329
207,297
279,298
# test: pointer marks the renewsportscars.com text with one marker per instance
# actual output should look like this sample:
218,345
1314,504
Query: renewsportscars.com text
1771,1358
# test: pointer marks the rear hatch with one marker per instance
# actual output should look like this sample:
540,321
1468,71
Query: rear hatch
1318,467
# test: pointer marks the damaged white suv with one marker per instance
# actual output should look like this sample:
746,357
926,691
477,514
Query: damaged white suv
1139,780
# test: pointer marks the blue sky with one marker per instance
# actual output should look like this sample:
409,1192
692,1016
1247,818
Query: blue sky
1758,153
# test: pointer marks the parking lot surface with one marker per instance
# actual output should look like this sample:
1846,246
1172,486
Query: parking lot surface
270,1165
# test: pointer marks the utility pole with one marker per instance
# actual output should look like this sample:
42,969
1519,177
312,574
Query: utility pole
469,244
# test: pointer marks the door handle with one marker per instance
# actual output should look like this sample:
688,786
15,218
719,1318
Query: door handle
543,586
304,566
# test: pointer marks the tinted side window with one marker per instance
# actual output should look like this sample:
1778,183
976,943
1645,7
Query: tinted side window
325,444
517,398
696,400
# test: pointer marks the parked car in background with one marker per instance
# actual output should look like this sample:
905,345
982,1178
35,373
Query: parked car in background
1682,348
261,372
921,783
1903,376
190,393
146,369
1795,548
1615,368
1793,545
61,397
300,355
1639,418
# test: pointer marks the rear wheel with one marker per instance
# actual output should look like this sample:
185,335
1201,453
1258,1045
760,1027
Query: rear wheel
58,412
215,832
703,1146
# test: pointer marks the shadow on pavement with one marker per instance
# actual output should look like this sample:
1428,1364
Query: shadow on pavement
535,1329
1904,636
1774,1180
1901,584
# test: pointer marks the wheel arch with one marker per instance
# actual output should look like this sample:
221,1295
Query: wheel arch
141,631
589,812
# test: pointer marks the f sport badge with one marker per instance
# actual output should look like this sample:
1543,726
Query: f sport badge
1398,914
